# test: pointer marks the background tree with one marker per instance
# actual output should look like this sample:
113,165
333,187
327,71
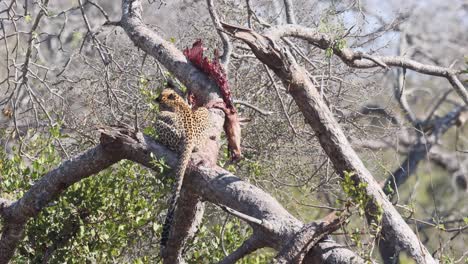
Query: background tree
391,75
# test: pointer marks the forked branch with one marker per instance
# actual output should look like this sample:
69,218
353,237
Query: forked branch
359,59
332,138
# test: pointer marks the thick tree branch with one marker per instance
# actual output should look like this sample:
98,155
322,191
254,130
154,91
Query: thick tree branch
207,181
308,237
203,88
332,138
187,218
165,52
47,189
221,187
212,184
361,60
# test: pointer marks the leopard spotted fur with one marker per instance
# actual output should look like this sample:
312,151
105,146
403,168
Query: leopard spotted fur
181,129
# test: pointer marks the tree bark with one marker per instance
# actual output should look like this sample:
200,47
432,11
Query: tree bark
210,183
332,139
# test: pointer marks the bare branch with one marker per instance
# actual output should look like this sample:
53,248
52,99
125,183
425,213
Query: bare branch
249,246
227,45
253,107
331,137
400,85
376,110
420,149
283,106
309,236
360,60
290,17
165,52
105,57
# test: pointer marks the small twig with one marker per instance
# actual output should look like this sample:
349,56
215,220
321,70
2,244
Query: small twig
253,107
320,206
136,118
400,96
437,105
280,99
222,235
103,12
374,59
105,57
249,13
247,218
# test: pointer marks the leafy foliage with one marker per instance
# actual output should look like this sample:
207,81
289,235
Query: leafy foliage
95,220
207,247
113,216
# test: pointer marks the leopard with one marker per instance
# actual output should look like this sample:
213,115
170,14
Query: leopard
183,130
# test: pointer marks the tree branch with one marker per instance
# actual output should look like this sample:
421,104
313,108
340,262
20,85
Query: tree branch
420,149
332,138
227,45
47,189
290,17
187,218
165,52
212,184
308,237
361,60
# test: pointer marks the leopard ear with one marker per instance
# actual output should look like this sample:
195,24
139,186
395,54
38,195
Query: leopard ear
176,86
171,83
171,96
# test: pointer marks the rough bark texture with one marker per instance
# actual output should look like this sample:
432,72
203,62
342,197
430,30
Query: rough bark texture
218,186
308,237
275,226
47,189
165,52
212,184
332,138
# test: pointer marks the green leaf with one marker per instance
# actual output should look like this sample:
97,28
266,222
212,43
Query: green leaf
28,18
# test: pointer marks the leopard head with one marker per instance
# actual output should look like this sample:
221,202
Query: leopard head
170,100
